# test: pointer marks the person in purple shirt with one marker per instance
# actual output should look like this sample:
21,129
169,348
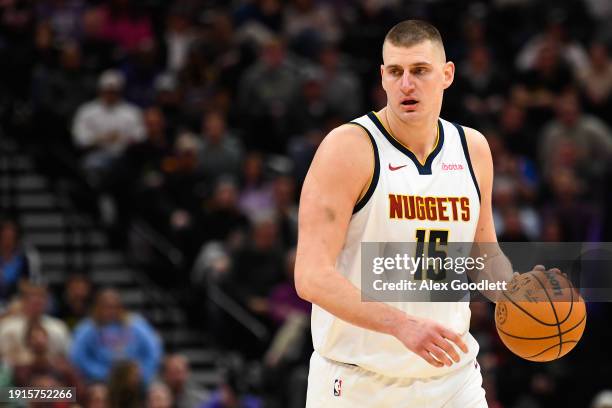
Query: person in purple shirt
284,300
112,335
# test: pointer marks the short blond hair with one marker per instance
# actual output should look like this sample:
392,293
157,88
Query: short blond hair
412,32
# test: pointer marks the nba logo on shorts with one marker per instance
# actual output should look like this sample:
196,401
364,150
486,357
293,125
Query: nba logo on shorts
337,387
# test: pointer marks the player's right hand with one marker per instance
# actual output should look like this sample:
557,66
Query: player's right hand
430,340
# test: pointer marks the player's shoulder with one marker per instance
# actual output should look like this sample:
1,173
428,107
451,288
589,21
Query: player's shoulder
477,142
348,133
347,142
346,149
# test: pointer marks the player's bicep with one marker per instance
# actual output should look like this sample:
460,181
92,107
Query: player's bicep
332,187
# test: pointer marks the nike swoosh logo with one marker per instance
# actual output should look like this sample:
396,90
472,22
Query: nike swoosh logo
396,168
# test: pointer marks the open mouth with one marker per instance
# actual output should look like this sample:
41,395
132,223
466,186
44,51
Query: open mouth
409,102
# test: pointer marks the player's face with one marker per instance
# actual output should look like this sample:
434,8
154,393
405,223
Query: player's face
414,79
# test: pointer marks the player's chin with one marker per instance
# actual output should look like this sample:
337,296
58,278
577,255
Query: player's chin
411,112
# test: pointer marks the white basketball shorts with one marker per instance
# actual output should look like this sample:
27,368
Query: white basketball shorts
337,385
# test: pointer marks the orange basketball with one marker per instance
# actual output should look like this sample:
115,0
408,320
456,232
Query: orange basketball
541,317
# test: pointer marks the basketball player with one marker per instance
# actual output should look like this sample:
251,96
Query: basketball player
372,354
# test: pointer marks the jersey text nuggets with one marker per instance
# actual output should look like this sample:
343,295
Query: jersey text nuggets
408,207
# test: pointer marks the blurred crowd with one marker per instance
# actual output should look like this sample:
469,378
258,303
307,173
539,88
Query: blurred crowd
200,118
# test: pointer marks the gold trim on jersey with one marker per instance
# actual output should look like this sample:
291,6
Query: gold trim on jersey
422,163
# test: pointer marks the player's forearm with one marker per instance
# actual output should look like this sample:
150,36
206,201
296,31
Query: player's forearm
497,268
336,294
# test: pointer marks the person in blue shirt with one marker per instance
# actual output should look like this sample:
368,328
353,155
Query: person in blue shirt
14,266
112,335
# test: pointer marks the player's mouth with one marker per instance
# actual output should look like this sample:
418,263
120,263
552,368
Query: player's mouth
409,104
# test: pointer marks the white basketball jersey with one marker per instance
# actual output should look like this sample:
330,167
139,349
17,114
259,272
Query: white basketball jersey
404,197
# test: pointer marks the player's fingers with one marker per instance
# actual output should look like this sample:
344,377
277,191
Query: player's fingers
539,268
440,355
557,270
448,349
429,358
455,338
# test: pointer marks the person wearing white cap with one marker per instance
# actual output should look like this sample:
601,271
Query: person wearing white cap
107,125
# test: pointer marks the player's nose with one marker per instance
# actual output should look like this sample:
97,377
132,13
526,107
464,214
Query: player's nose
407,83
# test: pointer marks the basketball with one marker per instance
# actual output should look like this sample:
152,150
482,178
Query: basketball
541,316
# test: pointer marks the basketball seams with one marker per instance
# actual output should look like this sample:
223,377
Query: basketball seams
527,313
544,338
549,348
571,287
552,305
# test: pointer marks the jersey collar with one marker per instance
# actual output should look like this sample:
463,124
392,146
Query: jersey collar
423,168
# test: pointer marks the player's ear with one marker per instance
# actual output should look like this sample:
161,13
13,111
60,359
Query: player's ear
449,74
382,75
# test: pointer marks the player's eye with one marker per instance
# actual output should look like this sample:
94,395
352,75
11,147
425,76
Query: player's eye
395,72
419,71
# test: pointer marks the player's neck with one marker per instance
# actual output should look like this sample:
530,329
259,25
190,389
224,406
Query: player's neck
420,137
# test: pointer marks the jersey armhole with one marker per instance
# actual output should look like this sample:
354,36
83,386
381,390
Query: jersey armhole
466,152
363,200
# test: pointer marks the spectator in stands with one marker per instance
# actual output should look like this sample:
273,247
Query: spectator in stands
59,91
258,266
310,107
603,399
555,35
125,387
106,126
179,37
75,302
97,51
262,16
176,376
255,191
125,23
41,362
589,137
222,219
481,85
342,89
537,89
168,99
34,302
516,132
579,219
308,24
196,83
596,81
64,17
14,265
138,178
159,396
283,299
302,149
220,152
140,70
291,314
232,390
112,334
266,91
97,396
